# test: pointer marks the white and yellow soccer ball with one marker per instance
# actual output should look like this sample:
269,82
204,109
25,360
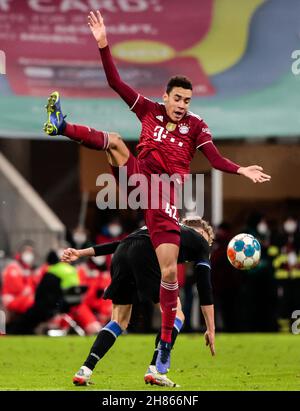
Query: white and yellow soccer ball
243,251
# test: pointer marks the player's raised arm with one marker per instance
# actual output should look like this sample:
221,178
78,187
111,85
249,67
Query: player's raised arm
97,26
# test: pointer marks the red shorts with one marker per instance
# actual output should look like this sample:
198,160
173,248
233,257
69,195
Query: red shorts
162,217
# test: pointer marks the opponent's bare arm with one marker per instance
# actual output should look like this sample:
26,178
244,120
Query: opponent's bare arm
209,336
71,254
205,292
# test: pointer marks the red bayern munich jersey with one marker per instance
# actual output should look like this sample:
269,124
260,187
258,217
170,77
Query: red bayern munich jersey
175,143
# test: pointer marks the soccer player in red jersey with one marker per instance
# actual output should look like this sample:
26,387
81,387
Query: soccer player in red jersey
169,138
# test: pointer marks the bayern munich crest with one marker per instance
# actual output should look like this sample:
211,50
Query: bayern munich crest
184,129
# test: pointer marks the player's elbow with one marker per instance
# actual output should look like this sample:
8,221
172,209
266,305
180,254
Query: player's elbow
114,83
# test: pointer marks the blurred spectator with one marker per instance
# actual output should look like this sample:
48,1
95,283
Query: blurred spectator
258,294
226,282
263,232
3,263
291,235
56,293
19,280
286,264
113,231
79,237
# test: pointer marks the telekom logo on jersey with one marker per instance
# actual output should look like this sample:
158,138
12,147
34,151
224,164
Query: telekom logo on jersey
161,133
163,191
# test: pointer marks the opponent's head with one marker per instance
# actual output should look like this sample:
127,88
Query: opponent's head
177,97
201,226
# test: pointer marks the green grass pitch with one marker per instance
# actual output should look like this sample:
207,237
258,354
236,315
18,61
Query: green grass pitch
243,362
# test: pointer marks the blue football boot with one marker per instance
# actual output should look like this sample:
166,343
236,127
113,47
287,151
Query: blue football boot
163,357
55,124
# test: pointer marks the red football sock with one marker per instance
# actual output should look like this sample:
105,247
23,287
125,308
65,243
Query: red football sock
89,137
168,302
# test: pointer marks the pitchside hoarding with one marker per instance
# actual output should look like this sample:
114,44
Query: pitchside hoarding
238,61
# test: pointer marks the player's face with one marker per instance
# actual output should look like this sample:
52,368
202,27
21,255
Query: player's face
177,103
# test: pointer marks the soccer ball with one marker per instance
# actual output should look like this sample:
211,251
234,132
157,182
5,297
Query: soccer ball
243,251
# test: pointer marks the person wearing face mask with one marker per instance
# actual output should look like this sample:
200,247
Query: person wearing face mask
19,282
58,291
263,232
113,231
226,282
257,291
290,227
79,237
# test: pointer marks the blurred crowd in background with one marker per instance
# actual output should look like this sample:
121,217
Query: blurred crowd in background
57,298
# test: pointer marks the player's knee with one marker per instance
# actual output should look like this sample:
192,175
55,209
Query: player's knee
169,273
115,140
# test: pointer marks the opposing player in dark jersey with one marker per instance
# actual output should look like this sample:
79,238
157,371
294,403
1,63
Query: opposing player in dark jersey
136,276
169,138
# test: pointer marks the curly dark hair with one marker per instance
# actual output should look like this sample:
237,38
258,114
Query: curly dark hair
179,81
198,222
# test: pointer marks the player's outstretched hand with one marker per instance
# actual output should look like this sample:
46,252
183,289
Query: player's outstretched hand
210,341
70,255
255,173
96,24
